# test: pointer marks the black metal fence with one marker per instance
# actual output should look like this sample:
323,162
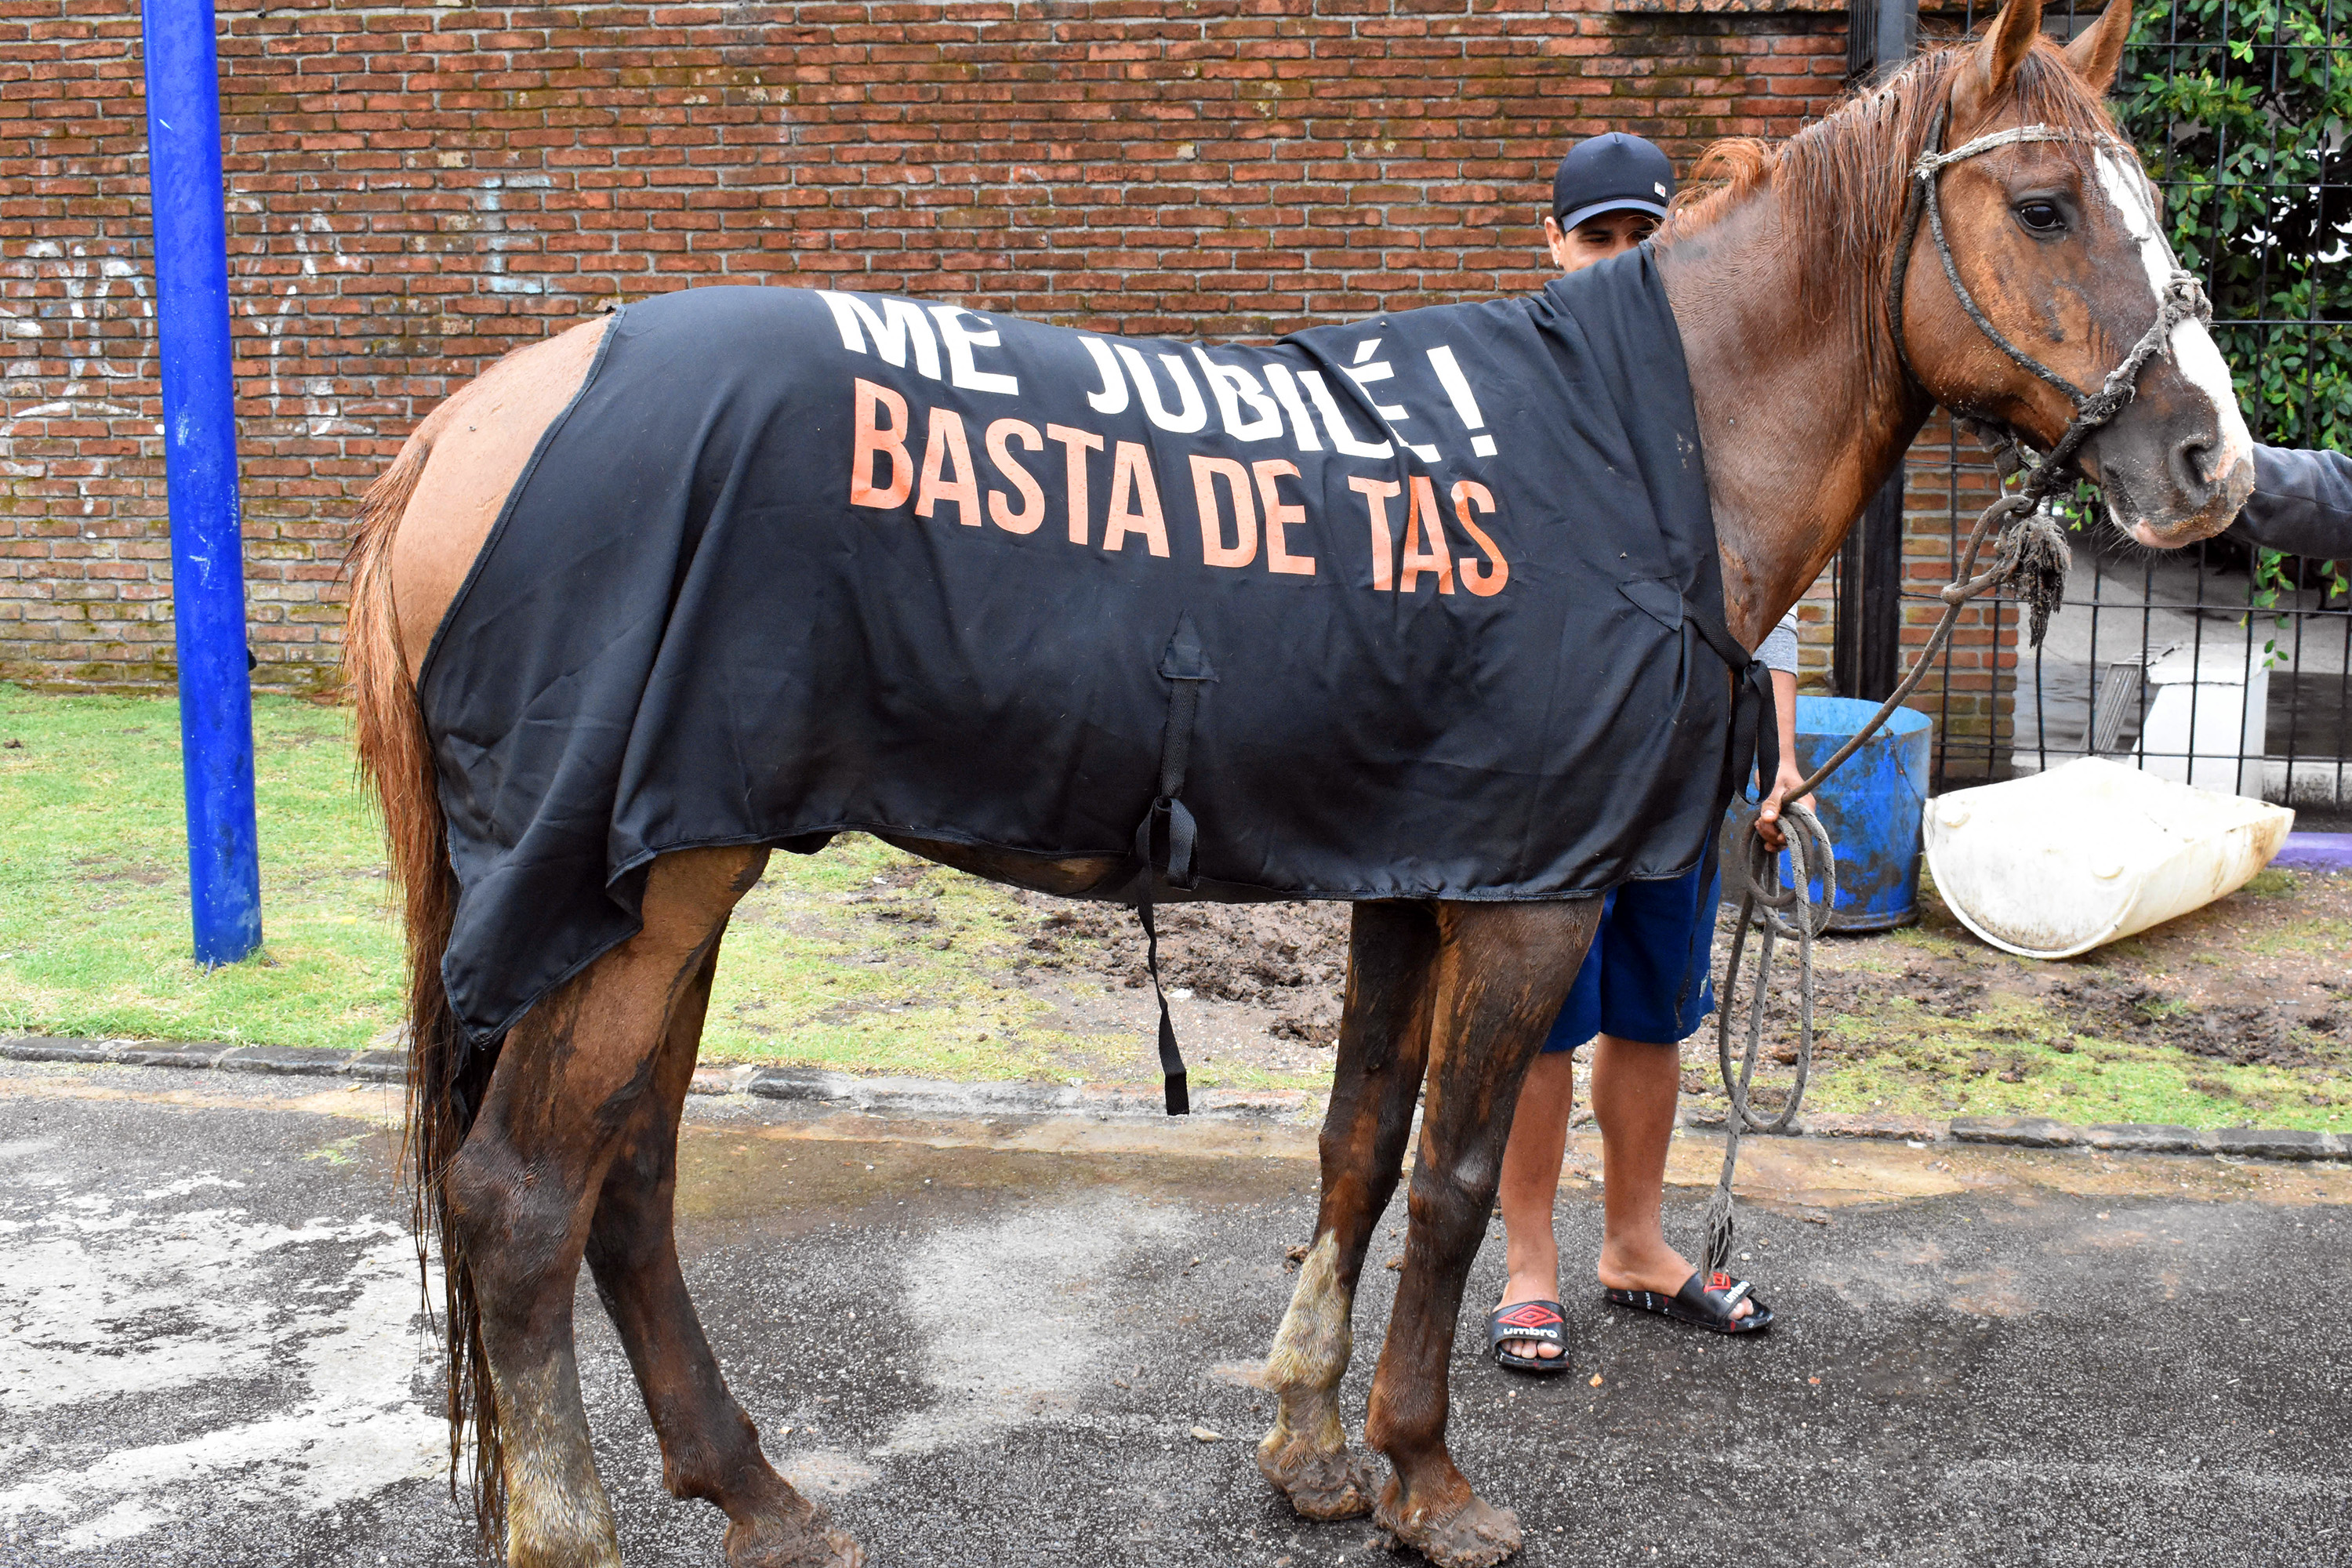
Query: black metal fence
2217,665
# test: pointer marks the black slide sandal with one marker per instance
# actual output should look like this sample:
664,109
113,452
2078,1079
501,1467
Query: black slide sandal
1528,1320
1704,1302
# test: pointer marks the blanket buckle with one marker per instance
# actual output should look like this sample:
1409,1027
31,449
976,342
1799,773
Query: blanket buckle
1185,666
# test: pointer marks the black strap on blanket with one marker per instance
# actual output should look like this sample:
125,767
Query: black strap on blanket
1164,839
1172,1060
1755,725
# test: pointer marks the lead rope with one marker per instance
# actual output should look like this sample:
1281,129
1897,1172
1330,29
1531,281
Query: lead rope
2035,544
2033,551
1814,860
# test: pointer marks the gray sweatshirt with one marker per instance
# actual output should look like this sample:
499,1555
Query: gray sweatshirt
1780,650
2302,503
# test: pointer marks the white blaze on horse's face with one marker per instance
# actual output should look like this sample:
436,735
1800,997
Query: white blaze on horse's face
2192,350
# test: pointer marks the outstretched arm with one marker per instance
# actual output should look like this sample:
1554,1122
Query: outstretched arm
1780,651
2302,503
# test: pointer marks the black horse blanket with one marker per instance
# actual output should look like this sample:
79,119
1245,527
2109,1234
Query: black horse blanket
1423,607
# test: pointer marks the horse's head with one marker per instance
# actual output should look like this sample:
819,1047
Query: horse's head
2057,237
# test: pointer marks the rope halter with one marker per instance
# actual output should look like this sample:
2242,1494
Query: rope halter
2181,299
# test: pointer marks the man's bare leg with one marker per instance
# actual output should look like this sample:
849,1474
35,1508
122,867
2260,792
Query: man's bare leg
1531,1188
1634,1085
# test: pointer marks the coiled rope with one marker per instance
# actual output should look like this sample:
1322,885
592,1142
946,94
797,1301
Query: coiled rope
1778,913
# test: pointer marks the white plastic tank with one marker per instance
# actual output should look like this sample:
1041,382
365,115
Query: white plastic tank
2206,725
2056,863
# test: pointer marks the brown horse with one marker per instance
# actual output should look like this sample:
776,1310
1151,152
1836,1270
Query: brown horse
561,1143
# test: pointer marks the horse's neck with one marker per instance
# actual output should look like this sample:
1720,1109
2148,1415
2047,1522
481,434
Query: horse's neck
1795,438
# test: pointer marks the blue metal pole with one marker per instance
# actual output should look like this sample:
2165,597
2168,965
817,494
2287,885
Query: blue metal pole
184,171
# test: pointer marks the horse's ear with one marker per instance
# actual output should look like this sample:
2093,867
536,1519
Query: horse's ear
2095,54
1995,58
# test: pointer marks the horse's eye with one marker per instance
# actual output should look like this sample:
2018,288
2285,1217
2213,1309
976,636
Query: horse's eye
2042,217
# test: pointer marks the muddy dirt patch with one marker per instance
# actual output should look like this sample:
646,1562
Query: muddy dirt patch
1291,959
2281,1034
2241,1011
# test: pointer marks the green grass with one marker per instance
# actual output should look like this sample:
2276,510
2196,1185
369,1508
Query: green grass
94,935
1941,1072
2272,884
2014,1056
860,958
868,959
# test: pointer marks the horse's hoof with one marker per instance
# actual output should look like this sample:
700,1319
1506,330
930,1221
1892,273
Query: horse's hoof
1321,1483
809,1541
1474,1535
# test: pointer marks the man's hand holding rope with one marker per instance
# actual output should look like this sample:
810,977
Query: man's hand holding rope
1790,777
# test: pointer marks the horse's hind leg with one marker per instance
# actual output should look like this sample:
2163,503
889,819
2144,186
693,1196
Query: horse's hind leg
571,1078
709,1448
1502,973
1383,1045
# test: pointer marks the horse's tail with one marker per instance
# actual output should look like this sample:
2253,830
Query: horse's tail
446,1078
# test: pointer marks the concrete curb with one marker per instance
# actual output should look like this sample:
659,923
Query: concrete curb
934,1097
301,1061
931,1096
2039,1132
839,1090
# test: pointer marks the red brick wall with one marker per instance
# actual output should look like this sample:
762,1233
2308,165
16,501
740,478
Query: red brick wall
415,188
1972,691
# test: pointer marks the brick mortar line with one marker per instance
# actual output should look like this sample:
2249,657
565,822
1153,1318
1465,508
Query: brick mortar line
940,1097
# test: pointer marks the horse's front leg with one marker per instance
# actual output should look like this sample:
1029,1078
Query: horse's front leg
1502,973
1383,1047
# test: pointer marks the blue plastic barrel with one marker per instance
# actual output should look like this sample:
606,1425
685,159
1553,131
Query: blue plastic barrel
1873,808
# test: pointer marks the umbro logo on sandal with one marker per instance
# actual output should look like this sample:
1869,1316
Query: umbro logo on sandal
1531,1315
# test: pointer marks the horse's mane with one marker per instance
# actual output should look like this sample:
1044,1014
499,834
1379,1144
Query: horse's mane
1843,181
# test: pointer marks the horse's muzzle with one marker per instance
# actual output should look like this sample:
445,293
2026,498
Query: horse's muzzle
2211,505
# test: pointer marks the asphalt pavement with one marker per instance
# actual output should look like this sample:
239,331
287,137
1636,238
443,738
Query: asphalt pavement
992,1341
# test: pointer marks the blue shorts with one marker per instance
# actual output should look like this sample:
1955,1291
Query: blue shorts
1648,974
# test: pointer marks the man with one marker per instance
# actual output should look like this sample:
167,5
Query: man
1607,197
1646,984
2302,503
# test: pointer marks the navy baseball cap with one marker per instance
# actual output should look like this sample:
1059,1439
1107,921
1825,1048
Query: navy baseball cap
1615,172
